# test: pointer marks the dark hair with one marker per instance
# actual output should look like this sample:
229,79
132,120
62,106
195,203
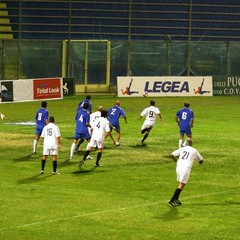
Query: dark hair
88,97
104,113
85,105
51,119
152,103
44,104
186,104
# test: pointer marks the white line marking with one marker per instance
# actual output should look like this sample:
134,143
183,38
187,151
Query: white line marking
107,211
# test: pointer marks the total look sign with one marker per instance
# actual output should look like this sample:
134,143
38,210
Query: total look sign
164,86
31,89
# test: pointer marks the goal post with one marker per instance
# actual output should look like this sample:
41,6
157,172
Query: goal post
88,62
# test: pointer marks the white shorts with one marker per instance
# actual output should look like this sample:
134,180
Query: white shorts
147,124
51,151
94,143
182,176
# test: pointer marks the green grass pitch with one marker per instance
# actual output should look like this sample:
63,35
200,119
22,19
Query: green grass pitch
128,197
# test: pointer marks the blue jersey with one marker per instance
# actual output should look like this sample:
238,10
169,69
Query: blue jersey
114,113
80,105
41,118
82,120
185,115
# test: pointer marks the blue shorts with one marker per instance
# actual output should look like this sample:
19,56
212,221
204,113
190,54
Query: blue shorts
82,135
185,131
115,124
39,130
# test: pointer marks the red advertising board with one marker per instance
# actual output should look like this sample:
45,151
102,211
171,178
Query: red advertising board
47,88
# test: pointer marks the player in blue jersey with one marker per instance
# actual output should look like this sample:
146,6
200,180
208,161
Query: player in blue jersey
80,105
87,100
82,123
114,113
41,120
184,118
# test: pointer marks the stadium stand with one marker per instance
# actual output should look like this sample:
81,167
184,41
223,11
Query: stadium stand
120,37
123,20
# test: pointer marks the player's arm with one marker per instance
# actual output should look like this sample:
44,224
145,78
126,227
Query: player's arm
191,122
174,158
59,142
177,119
160,117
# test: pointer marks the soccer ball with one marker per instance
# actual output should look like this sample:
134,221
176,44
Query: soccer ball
145,94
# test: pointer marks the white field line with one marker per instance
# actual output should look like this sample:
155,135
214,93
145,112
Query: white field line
107,211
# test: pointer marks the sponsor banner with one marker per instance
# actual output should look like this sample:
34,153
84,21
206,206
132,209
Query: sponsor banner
224,86
164,86
31,89
6,91
47,88
23,90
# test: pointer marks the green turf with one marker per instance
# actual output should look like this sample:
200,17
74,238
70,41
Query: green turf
128,197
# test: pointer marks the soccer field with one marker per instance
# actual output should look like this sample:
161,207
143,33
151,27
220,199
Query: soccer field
128,197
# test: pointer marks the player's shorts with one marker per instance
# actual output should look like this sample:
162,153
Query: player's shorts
185,131
94,143
82,135
115,124
47,151
39,130
147,125
182,176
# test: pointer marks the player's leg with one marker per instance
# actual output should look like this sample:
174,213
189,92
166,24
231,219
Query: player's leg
54,158
88,147
99,155
189,135
182,178
146,132
38,133
44,159
91,143
79,143
35,142
181,138
110,135
73,145
118,134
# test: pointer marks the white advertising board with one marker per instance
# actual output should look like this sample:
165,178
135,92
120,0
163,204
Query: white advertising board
131,86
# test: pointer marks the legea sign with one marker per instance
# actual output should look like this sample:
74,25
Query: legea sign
164,86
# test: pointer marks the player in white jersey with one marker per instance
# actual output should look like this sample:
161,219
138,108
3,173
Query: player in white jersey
186,156
100,130
151,114
51,144
93,117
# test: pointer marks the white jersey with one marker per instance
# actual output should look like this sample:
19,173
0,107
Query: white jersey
50,134
94,116
100,127
187,155
151,114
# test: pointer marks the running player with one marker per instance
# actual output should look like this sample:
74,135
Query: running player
186,155
151,114
184,118
82,123
114,113
100,129
89,109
